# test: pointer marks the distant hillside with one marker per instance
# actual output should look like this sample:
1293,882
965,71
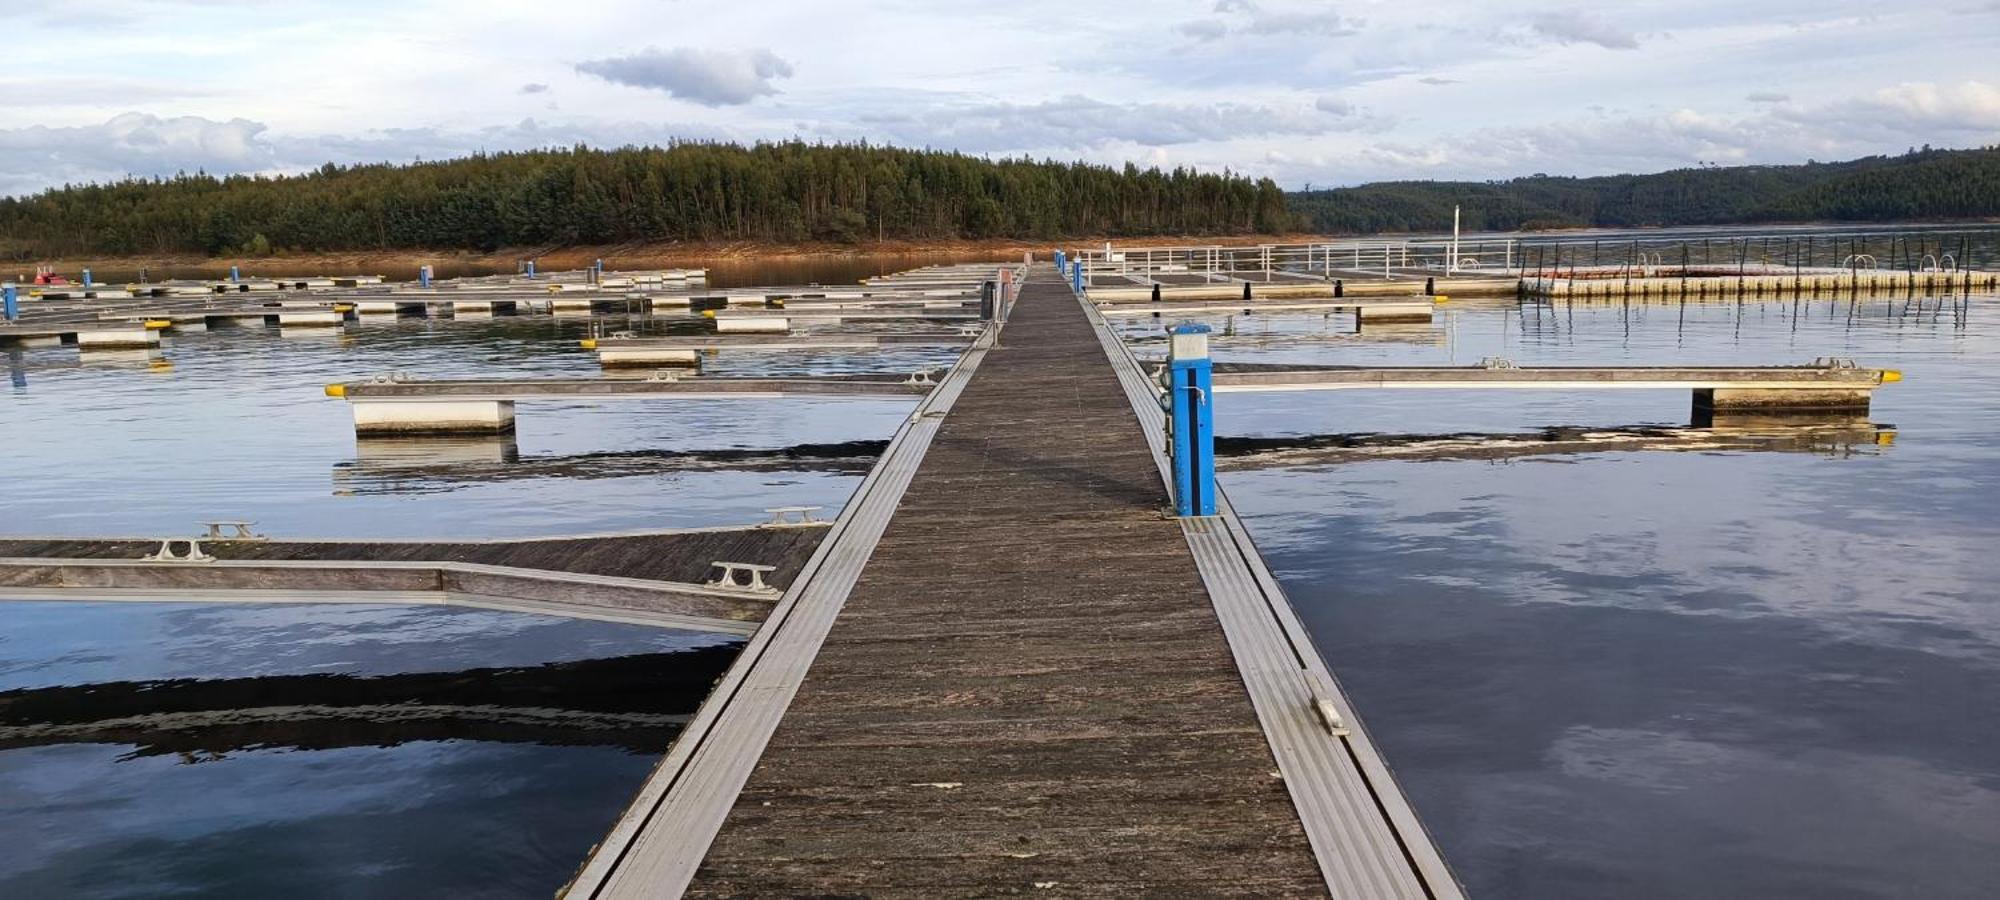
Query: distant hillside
1922,184
701,192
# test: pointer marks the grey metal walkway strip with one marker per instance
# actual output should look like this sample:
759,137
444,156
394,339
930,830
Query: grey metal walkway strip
1366,836
603,598
656,846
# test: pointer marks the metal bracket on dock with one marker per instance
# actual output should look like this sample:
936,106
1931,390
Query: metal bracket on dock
793,516
922,377
1497,362
166,552
1835,362
1329,714
731,578
664,375
241,532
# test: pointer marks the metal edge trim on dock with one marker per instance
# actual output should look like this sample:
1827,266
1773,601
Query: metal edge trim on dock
1329,777
443,572
709,763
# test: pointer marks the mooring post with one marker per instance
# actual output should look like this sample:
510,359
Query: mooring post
1076,276
235,274
86,279
12,301
1191,422
531,268
424,276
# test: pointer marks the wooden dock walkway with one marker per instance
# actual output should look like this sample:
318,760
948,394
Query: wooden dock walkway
1007,670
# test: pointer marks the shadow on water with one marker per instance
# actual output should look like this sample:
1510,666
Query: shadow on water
637,703
257,750
422,465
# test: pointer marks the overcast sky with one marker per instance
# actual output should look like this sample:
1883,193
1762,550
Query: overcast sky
1321,93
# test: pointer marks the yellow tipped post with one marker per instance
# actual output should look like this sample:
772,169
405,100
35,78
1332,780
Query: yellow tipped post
343,308
587,343
1440,298
1889,375
336,390
708,314
158,324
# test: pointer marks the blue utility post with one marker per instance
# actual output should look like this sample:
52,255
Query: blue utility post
12,300
1192,422
531,268
235,274
1062,262
1076,276
86,279
424,276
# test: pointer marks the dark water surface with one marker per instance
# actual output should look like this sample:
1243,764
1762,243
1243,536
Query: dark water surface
1634,673
258,751
1663,674
302,751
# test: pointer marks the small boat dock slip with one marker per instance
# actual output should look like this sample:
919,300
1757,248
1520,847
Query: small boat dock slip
669,579
1826,384
1007,668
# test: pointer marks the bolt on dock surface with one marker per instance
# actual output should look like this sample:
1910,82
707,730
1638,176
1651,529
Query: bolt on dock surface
1007,670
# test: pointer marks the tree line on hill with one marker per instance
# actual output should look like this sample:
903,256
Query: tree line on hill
693,191
1923,184
793,192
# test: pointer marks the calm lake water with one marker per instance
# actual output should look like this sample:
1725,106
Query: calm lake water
1654,673
1664,674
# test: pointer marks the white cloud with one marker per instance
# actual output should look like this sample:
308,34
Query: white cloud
1297,89
134,143
707,77
1244,17
86,91
1081,122
1578,26
1334,106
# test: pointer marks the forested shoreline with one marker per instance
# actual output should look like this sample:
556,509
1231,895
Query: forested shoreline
793,193
695,192
1922,185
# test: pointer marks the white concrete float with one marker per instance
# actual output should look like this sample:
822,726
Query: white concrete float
752,325
311,318
134,337
479,309
1396,312
416,417
617,357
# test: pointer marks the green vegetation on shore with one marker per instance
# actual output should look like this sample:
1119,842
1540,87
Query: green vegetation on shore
1923,184
790,193
707,192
